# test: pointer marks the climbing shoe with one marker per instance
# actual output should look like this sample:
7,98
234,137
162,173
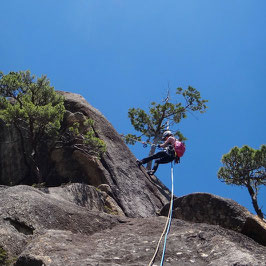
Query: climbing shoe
150,172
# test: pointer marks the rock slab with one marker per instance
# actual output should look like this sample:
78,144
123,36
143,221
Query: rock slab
212,209
136,194
133,242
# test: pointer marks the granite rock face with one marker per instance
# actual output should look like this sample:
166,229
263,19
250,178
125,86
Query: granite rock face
212,209
68,226
12,165
134,191
26,212
133,242
105,211
136,194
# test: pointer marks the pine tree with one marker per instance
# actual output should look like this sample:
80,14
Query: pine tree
160,116
245,167
34,108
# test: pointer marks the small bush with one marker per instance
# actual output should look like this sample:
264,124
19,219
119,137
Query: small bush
3,256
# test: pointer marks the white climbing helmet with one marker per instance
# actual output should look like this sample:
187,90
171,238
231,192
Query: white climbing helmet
166,134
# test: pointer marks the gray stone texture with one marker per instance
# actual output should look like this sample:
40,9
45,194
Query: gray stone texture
105,211
212,209
133,242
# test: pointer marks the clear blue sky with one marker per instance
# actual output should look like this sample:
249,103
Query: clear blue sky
120,54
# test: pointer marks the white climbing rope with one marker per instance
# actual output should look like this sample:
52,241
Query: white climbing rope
167,224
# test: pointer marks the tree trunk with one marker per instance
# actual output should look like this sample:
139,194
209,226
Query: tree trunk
35,169
35,162
254,201
23,149
30,160
152,151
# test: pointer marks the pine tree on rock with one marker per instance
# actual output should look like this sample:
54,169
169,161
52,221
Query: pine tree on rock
245,167
153,123
34,108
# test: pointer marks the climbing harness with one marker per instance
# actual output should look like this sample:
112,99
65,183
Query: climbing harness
167,225
145,145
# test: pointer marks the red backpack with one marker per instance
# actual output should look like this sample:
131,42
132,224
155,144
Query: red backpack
180,148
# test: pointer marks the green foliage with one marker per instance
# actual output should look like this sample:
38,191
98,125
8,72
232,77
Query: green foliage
31,104
87,141
130,139
37,111
245,167
3,256
152,124
97,145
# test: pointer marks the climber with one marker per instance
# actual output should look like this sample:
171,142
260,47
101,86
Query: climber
167,155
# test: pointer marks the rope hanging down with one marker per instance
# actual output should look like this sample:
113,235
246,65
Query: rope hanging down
170,211
167,225
169,218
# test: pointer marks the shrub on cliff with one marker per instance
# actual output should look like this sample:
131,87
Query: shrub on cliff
3,256
33,107
80,136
